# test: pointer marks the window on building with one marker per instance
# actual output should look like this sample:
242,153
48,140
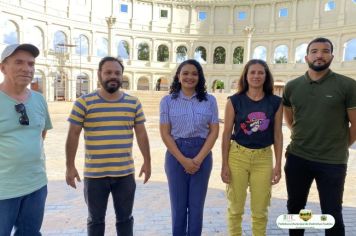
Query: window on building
10,32
181,54
241,15
219,55
82,47
300,53
281,54
329,6
102,47
143,53
123,50
34,35
162,53
283,12
354,1
164,14
60,42
350,50
238,56
260,52
123,8
202,15
200,54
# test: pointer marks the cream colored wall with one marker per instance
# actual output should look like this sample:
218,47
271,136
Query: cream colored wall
142,23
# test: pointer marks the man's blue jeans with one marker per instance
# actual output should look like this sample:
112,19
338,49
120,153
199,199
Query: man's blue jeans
187,192
96,193
24,214
330,180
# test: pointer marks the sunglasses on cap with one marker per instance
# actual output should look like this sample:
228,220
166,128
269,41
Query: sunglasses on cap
23,120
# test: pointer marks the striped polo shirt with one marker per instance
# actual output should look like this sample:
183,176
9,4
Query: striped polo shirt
108,133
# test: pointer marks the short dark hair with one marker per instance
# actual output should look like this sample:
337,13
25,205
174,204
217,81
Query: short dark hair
267,85
320,40
105,59
200,89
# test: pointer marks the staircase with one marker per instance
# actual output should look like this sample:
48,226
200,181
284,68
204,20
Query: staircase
150,102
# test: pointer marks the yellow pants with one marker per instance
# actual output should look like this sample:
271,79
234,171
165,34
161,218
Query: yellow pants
249,168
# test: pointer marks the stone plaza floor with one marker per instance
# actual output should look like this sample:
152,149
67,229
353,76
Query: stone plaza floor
66,211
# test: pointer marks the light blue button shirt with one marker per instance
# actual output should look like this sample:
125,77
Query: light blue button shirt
187,116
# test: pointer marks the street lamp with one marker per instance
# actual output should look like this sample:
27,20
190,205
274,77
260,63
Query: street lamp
62,58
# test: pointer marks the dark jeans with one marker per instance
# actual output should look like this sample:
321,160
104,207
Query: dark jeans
24,214
330,180
187,192
96,193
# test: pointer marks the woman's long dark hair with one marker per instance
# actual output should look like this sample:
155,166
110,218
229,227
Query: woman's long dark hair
267,85
200,89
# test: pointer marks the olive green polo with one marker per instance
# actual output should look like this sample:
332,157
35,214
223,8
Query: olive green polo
320,128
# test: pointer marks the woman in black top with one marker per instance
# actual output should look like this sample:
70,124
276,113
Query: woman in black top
253,122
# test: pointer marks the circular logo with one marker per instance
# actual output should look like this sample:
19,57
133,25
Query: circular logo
305,214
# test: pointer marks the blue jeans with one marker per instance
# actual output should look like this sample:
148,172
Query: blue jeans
96,193
330,180
187,192
24,214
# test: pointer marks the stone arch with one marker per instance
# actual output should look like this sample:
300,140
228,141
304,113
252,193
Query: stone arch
218,85
143,83
350,50
10,31
219,55
260,52
60,85
200,54
82,84
281,54
102,46
162,53
82,45
181,53
143,51
123,49
38,82
125,82
60,39
35,36
163,84
300,53
238,56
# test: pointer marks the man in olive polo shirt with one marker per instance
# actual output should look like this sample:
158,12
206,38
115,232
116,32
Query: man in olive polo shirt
320,110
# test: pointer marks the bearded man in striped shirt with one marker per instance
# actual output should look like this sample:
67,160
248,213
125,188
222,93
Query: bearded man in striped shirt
109,118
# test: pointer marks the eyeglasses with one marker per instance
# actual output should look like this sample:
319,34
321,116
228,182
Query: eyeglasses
20,108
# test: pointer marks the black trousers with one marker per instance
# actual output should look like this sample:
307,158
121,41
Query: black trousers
330,180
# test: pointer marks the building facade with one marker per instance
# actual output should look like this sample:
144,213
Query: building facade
154,36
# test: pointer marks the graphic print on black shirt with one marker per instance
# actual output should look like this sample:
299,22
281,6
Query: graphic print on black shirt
256,121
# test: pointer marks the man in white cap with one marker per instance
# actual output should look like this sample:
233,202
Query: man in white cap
24,120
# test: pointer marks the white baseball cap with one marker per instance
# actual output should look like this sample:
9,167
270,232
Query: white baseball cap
12,48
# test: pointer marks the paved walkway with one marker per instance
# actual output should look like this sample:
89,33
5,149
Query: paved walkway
66,211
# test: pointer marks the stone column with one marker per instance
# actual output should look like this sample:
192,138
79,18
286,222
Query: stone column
293,23
341,18
211,23
291,53
192,19
133,53
111,22
252,16
153,55
273,15
316,15
232,19
248,31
